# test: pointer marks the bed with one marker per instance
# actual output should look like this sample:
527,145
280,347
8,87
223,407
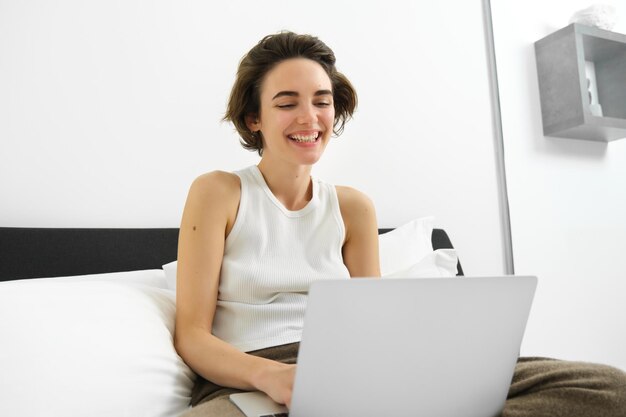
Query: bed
87,316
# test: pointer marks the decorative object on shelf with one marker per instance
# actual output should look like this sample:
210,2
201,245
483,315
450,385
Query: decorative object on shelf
582,83
602,16
592,88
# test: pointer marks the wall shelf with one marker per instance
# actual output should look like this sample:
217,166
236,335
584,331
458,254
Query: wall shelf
582,83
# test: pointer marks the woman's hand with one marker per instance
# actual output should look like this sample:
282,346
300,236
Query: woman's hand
277,382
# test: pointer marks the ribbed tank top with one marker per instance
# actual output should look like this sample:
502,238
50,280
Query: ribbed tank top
271,257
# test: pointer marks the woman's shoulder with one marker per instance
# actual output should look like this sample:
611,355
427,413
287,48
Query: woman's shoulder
351,196
213,185
354,204
220,180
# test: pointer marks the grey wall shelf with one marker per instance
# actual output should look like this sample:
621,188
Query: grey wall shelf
566,59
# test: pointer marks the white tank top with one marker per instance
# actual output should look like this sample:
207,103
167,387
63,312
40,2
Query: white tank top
271,257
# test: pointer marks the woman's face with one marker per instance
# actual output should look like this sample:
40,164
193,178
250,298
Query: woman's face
297,112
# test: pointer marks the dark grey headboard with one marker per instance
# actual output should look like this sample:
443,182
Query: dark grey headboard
54,252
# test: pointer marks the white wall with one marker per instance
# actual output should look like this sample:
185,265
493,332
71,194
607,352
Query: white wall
109,109
567,201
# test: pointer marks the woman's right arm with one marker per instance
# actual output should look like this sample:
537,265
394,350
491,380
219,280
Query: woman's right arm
209,214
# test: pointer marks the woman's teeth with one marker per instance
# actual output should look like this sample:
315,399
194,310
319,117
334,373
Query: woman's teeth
302,138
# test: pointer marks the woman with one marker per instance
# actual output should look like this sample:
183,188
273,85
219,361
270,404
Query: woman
252,242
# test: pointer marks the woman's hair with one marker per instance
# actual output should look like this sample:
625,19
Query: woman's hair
245,96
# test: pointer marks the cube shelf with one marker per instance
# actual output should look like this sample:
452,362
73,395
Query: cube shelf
582,83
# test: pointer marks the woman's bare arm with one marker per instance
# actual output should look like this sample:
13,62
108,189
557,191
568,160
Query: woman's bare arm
360,249
209,214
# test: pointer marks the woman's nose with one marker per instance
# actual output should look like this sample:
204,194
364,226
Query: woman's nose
307,114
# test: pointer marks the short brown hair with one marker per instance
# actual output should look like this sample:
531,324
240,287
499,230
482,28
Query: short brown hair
245,96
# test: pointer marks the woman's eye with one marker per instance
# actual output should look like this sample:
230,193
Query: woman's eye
291,105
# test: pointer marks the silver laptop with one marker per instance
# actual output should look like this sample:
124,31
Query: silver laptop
443,347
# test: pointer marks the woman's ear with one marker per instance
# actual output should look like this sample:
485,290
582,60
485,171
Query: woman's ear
252,121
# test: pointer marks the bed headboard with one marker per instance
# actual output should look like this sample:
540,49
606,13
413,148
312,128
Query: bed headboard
55,252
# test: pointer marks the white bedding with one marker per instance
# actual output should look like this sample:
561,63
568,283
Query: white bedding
90,347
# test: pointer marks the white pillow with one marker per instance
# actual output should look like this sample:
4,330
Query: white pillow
89,348
150,277
170,275
439,263
406,245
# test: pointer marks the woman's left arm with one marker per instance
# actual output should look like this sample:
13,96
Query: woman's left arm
360,249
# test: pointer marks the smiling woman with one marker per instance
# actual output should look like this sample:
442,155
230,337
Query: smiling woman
252,242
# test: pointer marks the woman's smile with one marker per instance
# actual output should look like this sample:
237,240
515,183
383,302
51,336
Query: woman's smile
305,137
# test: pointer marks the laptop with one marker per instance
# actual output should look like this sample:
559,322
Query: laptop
443,347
